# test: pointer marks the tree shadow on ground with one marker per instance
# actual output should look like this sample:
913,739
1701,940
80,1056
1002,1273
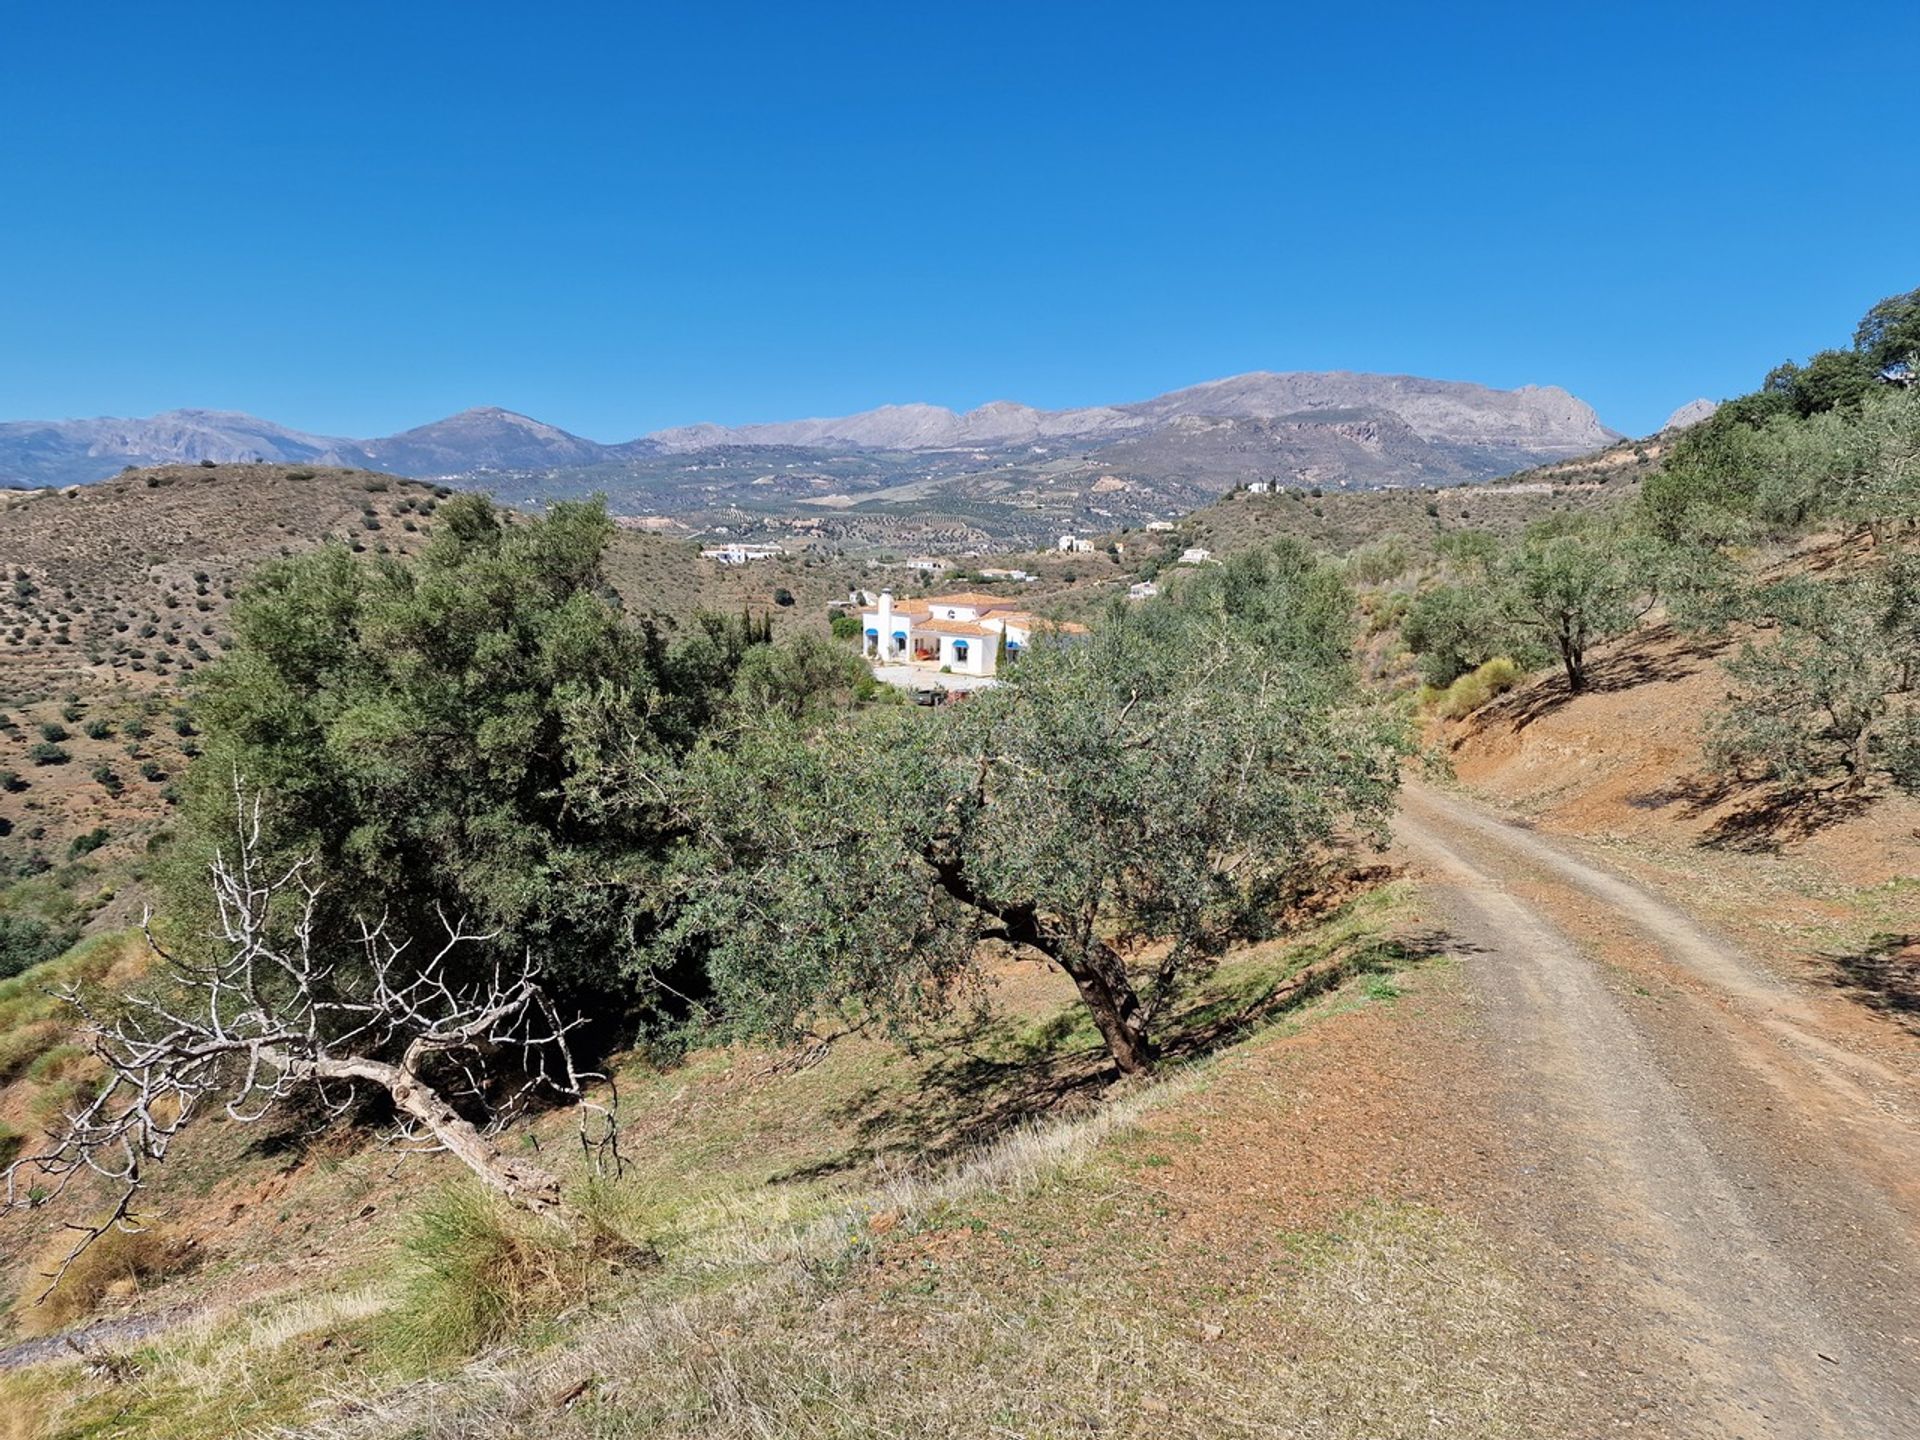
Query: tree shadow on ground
1767,818
1003,1075
1883,975
1657,653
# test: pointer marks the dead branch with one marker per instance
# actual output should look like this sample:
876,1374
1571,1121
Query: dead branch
275,1015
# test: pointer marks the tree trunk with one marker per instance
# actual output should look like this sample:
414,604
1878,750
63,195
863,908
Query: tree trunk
1097,970
1100,976
1575,664
521,1183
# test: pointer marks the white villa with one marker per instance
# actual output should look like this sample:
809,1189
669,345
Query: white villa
961,632
738,554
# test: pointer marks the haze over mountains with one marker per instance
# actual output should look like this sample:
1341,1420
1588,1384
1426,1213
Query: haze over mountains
919,474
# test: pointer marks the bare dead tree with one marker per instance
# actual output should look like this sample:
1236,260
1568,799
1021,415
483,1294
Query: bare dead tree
271,1020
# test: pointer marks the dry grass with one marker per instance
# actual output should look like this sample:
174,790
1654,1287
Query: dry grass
113,1267
1394,1325
1036,1284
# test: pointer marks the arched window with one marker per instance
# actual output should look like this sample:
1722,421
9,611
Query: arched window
960,650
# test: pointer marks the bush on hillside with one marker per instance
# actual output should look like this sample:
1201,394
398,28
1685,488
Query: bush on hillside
479,1271
1469,692
26,942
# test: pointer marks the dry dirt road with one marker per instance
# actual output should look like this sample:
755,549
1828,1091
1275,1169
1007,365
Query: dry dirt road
1731,1158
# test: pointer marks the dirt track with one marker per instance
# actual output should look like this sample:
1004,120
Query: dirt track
1706,1143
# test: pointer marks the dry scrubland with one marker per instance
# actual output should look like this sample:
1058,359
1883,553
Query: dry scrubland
884,1241
1300,1228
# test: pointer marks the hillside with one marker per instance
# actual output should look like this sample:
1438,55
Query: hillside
114,594
1823,882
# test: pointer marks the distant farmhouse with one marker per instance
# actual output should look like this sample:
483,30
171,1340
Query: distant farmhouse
737,554
962,633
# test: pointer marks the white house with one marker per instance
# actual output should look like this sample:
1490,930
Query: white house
1073,544
1142,590
1196,555
1159,524
961,632
1259,487
738,554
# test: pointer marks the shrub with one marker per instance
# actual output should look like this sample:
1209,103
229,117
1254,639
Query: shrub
26,942
107,778
54,731
91,841
46,753
10,781
71,712
479,1271
98,729
1474,689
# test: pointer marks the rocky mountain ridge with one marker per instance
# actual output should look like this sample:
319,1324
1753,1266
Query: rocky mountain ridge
1517,426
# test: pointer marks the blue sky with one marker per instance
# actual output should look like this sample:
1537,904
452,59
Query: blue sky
357,217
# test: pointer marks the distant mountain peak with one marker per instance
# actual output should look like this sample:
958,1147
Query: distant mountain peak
1690,414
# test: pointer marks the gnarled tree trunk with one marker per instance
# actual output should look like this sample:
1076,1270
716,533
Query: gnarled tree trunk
522,1184
1100,975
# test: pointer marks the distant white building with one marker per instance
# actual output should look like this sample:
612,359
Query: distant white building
1073,544
1020,575
1142,590
739,554
961,632
1195,555
1159,525
1259,487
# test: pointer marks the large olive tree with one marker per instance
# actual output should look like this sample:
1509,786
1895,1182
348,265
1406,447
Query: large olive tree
434,734
1152,789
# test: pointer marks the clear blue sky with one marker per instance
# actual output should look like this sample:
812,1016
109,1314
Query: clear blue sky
357,217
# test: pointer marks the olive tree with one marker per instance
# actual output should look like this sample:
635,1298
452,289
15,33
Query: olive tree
1572,587
1831,685
433,732
1155,788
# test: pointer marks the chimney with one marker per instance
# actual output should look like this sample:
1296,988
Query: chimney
886,622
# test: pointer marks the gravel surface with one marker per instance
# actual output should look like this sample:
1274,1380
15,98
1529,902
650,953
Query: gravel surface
1718,1167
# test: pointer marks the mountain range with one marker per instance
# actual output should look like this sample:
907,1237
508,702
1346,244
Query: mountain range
1529,424
908,474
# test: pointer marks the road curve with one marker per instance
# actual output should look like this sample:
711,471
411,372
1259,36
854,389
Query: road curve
1746,1177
